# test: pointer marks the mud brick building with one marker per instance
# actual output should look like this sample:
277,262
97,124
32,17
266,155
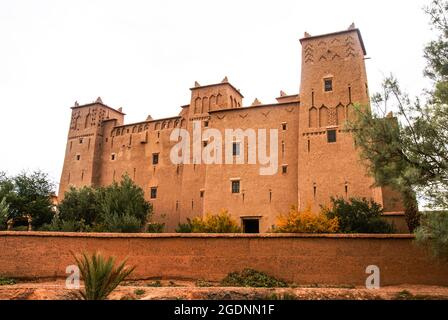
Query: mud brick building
317,157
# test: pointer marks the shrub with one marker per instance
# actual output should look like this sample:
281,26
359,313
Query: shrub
252,278
7,281
120,223
120,207
58,225
221,223
155,227
139,292
434,231
306,222
359,216
185,227
100,276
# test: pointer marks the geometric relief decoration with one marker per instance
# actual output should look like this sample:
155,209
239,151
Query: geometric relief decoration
323,117
340,114
332,117
312,117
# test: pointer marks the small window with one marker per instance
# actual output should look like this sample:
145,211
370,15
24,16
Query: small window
284,126
206,124
112,157
78,157
205,143
202,193
155,158
236,149
154,193
236,186
331,136
284,169
81,141
328,85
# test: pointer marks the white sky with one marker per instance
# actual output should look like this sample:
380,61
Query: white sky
145,55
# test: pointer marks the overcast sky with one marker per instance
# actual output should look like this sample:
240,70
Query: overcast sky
145,55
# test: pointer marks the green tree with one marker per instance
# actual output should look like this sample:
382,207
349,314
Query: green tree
28,194
4,213
433,231
387,147
436,52
122,207
358,216
6,187
79,205
410,152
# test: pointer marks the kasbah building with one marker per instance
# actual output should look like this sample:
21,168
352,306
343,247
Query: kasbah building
317,157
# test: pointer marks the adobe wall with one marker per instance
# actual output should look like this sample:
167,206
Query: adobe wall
132,147
263,196
302,259
331,169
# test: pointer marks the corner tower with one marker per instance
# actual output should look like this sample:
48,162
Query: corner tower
214,97
333,80
84,144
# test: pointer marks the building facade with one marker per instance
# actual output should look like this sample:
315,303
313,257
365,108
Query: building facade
317,158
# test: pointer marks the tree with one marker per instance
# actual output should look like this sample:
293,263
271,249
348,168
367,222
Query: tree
79,204
410,152
4,213
6,187
28,194
436,52
122,207
387,146
433,232
358,216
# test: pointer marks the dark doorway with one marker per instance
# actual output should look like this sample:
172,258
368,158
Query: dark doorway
251,225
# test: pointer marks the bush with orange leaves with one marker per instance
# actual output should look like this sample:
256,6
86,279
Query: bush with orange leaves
306,221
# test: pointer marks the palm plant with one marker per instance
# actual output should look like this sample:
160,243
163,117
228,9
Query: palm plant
100,275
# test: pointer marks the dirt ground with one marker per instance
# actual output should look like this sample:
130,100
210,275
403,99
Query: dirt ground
187,290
